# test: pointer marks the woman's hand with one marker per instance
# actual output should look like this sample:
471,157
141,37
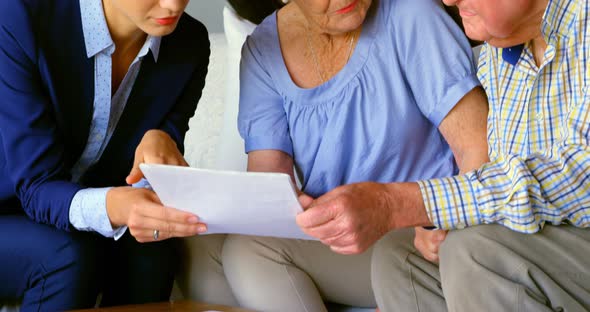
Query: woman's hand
428,242
141,210
156,147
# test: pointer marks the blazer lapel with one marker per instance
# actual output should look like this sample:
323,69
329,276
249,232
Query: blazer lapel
155,92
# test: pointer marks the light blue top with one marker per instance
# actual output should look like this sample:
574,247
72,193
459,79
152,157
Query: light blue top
377,119
88,207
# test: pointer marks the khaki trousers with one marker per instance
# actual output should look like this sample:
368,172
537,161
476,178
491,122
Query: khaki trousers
486,268
201,277
273,274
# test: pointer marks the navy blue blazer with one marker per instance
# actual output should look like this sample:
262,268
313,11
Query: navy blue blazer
46,103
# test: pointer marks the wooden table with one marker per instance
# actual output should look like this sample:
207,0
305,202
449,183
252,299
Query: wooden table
176,306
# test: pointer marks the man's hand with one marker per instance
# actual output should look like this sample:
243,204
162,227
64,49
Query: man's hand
428,242
141,210
351,218
156,147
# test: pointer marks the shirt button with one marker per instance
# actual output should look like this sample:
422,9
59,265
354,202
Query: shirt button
540,117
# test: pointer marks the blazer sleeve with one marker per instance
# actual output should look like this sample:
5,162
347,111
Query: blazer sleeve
32,145
176,121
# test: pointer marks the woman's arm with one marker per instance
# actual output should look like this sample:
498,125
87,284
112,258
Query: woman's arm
276,161
271,161
165,146
340,218
33,148
141,210
464,128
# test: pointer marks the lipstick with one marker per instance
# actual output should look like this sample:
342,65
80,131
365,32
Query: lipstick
166,20
348,8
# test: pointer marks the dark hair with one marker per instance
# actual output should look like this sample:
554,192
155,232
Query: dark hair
255,10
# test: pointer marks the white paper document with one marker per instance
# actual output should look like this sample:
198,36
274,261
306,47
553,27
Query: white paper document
251,203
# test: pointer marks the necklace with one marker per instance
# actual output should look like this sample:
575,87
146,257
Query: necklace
315,59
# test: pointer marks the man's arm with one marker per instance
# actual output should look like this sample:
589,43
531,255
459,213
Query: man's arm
522,192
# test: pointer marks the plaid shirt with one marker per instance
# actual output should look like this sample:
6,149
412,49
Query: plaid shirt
538,134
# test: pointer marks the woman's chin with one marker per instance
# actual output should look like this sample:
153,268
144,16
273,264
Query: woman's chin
159,30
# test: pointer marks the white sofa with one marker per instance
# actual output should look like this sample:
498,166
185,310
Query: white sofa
213,141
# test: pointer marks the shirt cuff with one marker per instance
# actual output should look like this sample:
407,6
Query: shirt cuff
88,212
280,143
453,95
451,202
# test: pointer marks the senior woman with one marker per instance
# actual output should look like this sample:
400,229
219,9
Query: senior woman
348,91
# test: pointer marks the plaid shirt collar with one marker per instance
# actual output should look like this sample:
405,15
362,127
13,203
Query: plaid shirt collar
558,21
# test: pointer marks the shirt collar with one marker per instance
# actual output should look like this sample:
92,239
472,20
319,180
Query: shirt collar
94,25
97,37
558,19
152,43
512,54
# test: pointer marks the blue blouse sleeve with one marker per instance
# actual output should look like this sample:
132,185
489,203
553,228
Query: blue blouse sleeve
262,120
440,68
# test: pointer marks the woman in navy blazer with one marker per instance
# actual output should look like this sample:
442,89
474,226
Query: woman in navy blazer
88,88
